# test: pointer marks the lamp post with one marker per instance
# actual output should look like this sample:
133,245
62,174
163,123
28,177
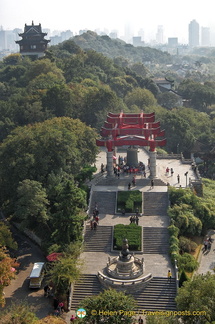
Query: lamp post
186,173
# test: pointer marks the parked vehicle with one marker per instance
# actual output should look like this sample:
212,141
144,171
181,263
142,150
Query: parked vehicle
37,275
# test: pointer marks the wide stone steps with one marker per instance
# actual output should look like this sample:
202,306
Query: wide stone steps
155,203
159,294
155,240
98,240
87,286
105,200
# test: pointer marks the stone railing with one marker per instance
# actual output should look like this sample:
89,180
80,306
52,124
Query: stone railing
169,156
118,282
176,275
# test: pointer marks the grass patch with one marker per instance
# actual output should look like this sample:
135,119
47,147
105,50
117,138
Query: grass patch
132,232
198,240
129,201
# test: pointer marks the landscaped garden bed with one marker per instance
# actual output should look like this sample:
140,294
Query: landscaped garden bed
129,201
132,232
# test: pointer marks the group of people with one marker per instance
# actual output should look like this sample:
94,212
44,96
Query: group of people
95,218
134,219
133,182
169,170
207,244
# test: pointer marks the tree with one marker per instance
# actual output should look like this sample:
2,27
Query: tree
198,295
32,202
50,320
34,151
67,212
58,100
6,238
162,319
120,86
7,272
139,69
140,97
65,271
177,131
19,313
121,306
43,66
168,100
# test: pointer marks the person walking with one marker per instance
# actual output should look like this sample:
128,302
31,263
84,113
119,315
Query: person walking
152,184
137,219
169,275
178,178
172,171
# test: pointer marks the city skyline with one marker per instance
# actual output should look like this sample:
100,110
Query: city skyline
110,16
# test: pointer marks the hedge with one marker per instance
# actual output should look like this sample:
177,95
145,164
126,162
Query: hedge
129,201
132,232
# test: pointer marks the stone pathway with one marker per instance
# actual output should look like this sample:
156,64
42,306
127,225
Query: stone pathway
207,259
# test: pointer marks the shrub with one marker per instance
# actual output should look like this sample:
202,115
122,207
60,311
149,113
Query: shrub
187,263
174,248
173,230
183,278
186,245
129,200
173,240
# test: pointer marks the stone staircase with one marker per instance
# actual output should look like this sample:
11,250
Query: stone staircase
159,294
106,202
155,240
98,240
155,203
87,286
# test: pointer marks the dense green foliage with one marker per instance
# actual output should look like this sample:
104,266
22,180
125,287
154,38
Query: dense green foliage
38,165
115,48
198,295
121,305
6,238
130,201
18,313
132,233
190,216
85,84
65,271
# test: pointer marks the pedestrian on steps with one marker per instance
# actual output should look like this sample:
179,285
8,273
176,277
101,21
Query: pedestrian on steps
169,275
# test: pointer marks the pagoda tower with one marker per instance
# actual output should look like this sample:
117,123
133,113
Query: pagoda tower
33,42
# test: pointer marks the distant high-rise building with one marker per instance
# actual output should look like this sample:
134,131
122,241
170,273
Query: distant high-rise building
159,35
172,41
205,36
128,33
137,41
66,35
193,33
2,39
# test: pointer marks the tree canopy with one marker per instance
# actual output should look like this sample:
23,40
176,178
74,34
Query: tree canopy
198,295
121,306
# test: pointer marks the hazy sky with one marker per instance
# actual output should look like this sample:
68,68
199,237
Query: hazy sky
111,14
